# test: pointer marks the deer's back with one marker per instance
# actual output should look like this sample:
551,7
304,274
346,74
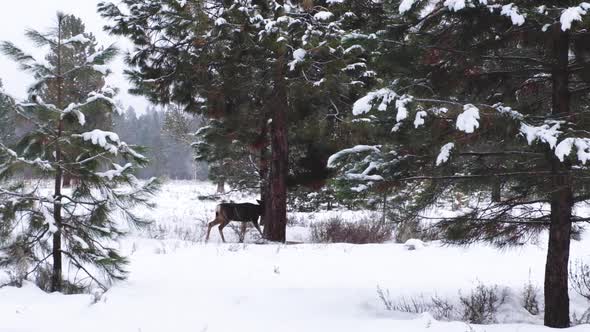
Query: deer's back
239,211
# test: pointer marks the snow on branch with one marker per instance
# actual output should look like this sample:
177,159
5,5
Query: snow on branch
511,11
363,177
419,120
124,148
406,5
77,39
402,110
44,165
298,56
365,104
564,148
569,15
468,120
544,133
445,153
323,15
117,172
354,150
101,138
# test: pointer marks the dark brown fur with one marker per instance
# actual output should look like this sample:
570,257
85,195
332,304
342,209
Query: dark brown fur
242,212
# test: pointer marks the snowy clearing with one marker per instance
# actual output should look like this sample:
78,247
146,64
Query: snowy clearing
178,283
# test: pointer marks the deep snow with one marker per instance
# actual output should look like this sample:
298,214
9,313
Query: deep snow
178,283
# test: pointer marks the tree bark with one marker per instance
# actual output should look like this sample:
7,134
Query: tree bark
561,196
263,168
276,222
496,190
56,276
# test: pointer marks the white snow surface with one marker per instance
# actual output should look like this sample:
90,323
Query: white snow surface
181,284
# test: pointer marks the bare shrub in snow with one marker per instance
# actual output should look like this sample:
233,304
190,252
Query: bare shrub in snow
190,233
580,279
530,296
43,281
438,307
335,230
583,319
413,229
297,219
481,306
385,298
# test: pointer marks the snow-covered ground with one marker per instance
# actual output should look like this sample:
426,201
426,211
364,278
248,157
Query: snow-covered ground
178,283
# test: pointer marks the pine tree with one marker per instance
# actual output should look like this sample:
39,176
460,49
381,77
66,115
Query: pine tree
248,65
81,80
52,227
7,118
496,92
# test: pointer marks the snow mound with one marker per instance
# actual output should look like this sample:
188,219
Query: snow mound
414,244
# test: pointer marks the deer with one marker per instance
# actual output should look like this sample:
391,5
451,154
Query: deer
242,212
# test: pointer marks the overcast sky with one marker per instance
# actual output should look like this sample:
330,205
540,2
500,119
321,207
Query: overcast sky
16,16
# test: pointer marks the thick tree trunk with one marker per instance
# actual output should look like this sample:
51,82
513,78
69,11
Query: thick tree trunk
556,268
276,221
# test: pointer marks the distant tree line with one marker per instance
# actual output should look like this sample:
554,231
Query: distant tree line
166,134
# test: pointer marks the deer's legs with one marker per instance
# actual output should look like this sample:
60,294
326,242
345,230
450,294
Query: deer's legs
223,224
242,232
216,221
257,227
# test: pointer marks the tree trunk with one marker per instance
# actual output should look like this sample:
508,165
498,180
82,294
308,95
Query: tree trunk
56,276
221,186
67,181
263,173
556,268
276,222
496,190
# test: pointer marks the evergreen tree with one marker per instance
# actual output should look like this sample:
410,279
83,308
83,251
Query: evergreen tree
81,81
257,80
52,227
7,118
495,93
